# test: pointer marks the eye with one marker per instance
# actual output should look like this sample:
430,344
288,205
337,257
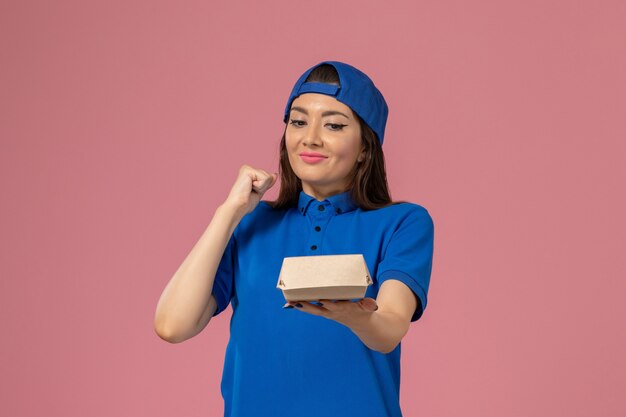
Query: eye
297,122
335,126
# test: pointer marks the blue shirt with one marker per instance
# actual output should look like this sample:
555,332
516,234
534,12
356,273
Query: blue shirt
286,362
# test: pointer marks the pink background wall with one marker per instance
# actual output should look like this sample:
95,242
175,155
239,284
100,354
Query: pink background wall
123,125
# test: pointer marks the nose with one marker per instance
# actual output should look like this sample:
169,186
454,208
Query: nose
312,135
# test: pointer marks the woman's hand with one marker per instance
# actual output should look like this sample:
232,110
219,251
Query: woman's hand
249,187
380,324
348,313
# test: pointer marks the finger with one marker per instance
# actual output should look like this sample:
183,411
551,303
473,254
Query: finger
262,182
267,183
368,304
310,308
333,305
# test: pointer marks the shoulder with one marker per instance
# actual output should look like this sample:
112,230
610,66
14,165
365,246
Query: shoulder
403,211
264,209
406,207
263,213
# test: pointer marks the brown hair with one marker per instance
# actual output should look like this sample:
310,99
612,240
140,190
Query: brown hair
368,185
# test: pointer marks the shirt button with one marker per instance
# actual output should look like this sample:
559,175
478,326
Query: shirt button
317,228
313,247
321,208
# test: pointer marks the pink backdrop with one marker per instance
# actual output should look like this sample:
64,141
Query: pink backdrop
123,125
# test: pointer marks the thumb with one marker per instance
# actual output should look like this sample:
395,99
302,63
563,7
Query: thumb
264,184
272,181
369,304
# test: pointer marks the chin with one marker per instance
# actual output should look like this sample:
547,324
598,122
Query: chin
317,181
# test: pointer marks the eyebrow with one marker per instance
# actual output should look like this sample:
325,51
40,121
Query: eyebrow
326,113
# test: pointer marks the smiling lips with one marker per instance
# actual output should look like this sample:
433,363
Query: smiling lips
312,157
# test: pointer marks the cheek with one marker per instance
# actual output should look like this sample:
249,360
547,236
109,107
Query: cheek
350,151
290,141
291,147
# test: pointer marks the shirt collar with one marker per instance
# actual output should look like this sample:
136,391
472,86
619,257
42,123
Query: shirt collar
342,202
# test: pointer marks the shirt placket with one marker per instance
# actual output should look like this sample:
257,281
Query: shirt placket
320,214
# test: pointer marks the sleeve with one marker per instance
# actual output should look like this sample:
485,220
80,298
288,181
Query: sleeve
223,284
409,256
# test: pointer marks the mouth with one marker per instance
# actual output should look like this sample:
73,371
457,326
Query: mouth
312,158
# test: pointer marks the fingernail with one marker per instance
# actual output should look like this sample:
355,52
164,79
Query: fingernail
288,306
298,305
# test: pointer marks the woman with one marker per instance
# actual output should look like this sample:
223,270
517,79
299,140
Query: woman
338,358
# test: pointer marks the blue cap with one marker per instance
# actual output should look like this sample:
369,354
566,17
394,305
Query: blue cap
356,91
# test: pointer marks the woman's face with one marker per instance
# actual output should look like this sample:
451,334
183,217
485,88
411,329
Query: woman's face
323,140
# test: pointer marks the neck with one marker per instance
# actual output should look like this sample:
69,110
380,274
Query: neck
320,193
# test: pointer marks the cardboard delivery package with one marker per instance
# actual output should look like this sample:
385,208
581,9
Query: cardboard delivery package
324,277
